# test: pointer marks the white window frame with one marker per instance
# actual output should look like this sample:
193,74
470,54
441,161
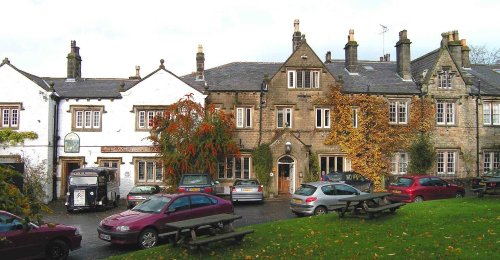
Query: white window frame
444,79
491,160
244,117
10,115
145,118
287,117
398,112
303,79
399,163
330,163
491,113
447,162
146,166
355,117
235,168
445,113
324,119
87,118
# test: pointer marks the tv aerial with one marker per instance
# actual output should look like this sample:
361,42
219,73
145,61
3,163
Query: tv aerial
384,30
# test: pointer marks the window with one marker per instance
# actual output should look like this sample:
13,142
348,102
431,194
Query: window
198,201
148,170
444,79
446,162
110,162
323,118
87,118
491,113
235,168
398,112
399,163
331,164
10,115
491,160
355,113
303,79
243,117
145,117
284,117
445,113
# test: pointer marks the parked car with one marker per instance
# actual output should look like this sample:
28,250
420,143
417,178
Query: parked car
352,178
142,224
140,193
197,182
489,183
317,198
246,190
420,188
32,241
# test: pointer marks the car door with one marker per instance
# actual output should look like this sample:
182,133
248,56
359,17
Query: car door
202,206
329,198
23,242
179,209
344,191
426,189
442,188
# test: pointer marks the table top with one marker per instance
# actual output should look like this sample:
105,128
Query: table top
367,196
196,222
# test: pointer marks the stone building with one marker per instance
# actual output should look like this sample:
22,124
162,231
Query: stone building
277,103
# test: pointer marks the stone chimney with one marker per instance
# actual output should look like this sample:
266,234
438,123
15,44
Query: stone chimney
403,57
297,36
328,57
455,47
351,53
137,73
74,62
200,64
465,54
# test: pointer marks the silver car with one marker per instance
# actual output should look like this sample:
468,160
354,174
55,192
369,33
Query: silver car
247,190
320,197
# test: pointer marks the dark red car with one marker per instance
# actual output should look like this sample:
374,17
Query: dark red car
142,224
420,188
30,241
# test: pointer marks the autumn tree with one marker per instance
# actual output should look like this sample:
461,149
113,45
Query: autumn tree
192,138
422,155
371,143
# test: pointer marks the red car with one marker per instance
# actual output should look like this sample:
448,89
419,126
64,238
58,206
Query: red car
142,224
30,241
420,188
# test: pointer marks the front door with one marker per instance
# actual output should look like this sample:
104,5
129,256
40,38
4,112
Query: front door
284,178
67,166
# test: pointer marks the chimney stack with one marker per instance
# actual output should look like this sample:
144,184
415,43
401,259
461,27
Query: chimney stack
137,73
200,64
465,54
328,57
455,47
403,56
351,53
297,36
74,62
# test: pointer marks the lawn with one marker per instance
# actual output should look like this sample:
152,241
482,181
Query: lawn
443,229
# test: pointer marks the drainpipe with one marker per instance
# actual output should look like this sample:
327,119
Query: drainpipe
263,87
477,127
54,144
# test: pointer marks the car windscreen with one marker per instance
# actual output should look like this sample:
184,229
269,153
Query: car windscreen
152,205
305,190
195,180
143,189
246,182
83,180
404,182
334,176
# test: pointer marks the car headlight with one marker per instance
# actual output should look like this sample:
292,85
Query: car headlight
77,232
101,223
122,228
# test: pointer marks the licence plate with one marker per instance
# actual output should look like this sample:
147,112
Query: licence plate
298,201
396,191
79,198
105,237
247,190
194,189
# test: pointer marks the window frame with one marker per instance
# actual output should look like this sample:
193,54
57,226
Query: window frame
244,117
144,116
395,113
491,160
10,109
355,117
303,78
442,165
147,160
442,117
83,118
325,120
445,77
399,163
287,112
229,169
493,113
329,163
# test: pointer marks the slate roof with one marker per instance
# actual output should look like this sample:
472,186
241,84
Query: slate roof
235,76
37,80
373,77
422,63
490,79
90,88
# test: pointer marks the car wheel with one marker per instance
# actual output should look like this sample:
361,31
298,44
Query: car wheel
320,210
418,199
57,249
148,238
459,195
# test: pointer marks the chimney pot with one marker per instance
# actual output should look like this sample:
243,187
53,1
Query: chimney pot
351,35
296,25
200,64
137,71
328,57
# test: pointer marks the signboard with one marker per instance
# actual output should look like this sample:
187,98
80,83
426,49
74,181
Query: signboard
130,149
72,143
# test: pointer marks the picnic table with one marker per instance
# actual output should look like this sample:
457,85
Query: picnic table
368,204
221,228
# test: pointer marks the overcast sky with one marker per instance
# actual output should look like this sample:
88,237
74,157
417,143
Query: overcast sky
116,35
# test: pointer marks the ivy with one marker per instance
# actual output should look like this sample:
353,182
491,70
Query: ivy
11,137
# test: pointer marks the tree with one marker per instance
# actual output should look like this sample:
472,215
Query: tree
422,155
192,138
483,55
371,143
263,163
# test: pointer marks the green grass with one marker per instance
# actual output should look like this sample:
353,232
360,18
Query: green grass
443,229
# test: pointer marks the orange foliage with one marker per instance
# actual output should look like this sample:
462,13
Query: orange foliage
370,146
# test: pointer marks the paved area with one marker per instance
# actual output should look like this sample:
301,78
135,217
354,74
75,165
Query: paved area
94,248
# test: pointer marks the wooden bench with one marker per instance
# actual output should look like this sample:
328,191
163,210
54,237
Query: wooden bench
237,235
391,207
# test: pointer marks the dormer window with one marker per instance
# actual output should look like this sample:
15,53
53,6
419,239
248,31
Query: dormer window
444,79
303,79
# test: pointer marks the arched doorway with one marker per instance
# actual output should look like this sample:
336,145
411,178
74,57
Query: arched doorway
286,174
